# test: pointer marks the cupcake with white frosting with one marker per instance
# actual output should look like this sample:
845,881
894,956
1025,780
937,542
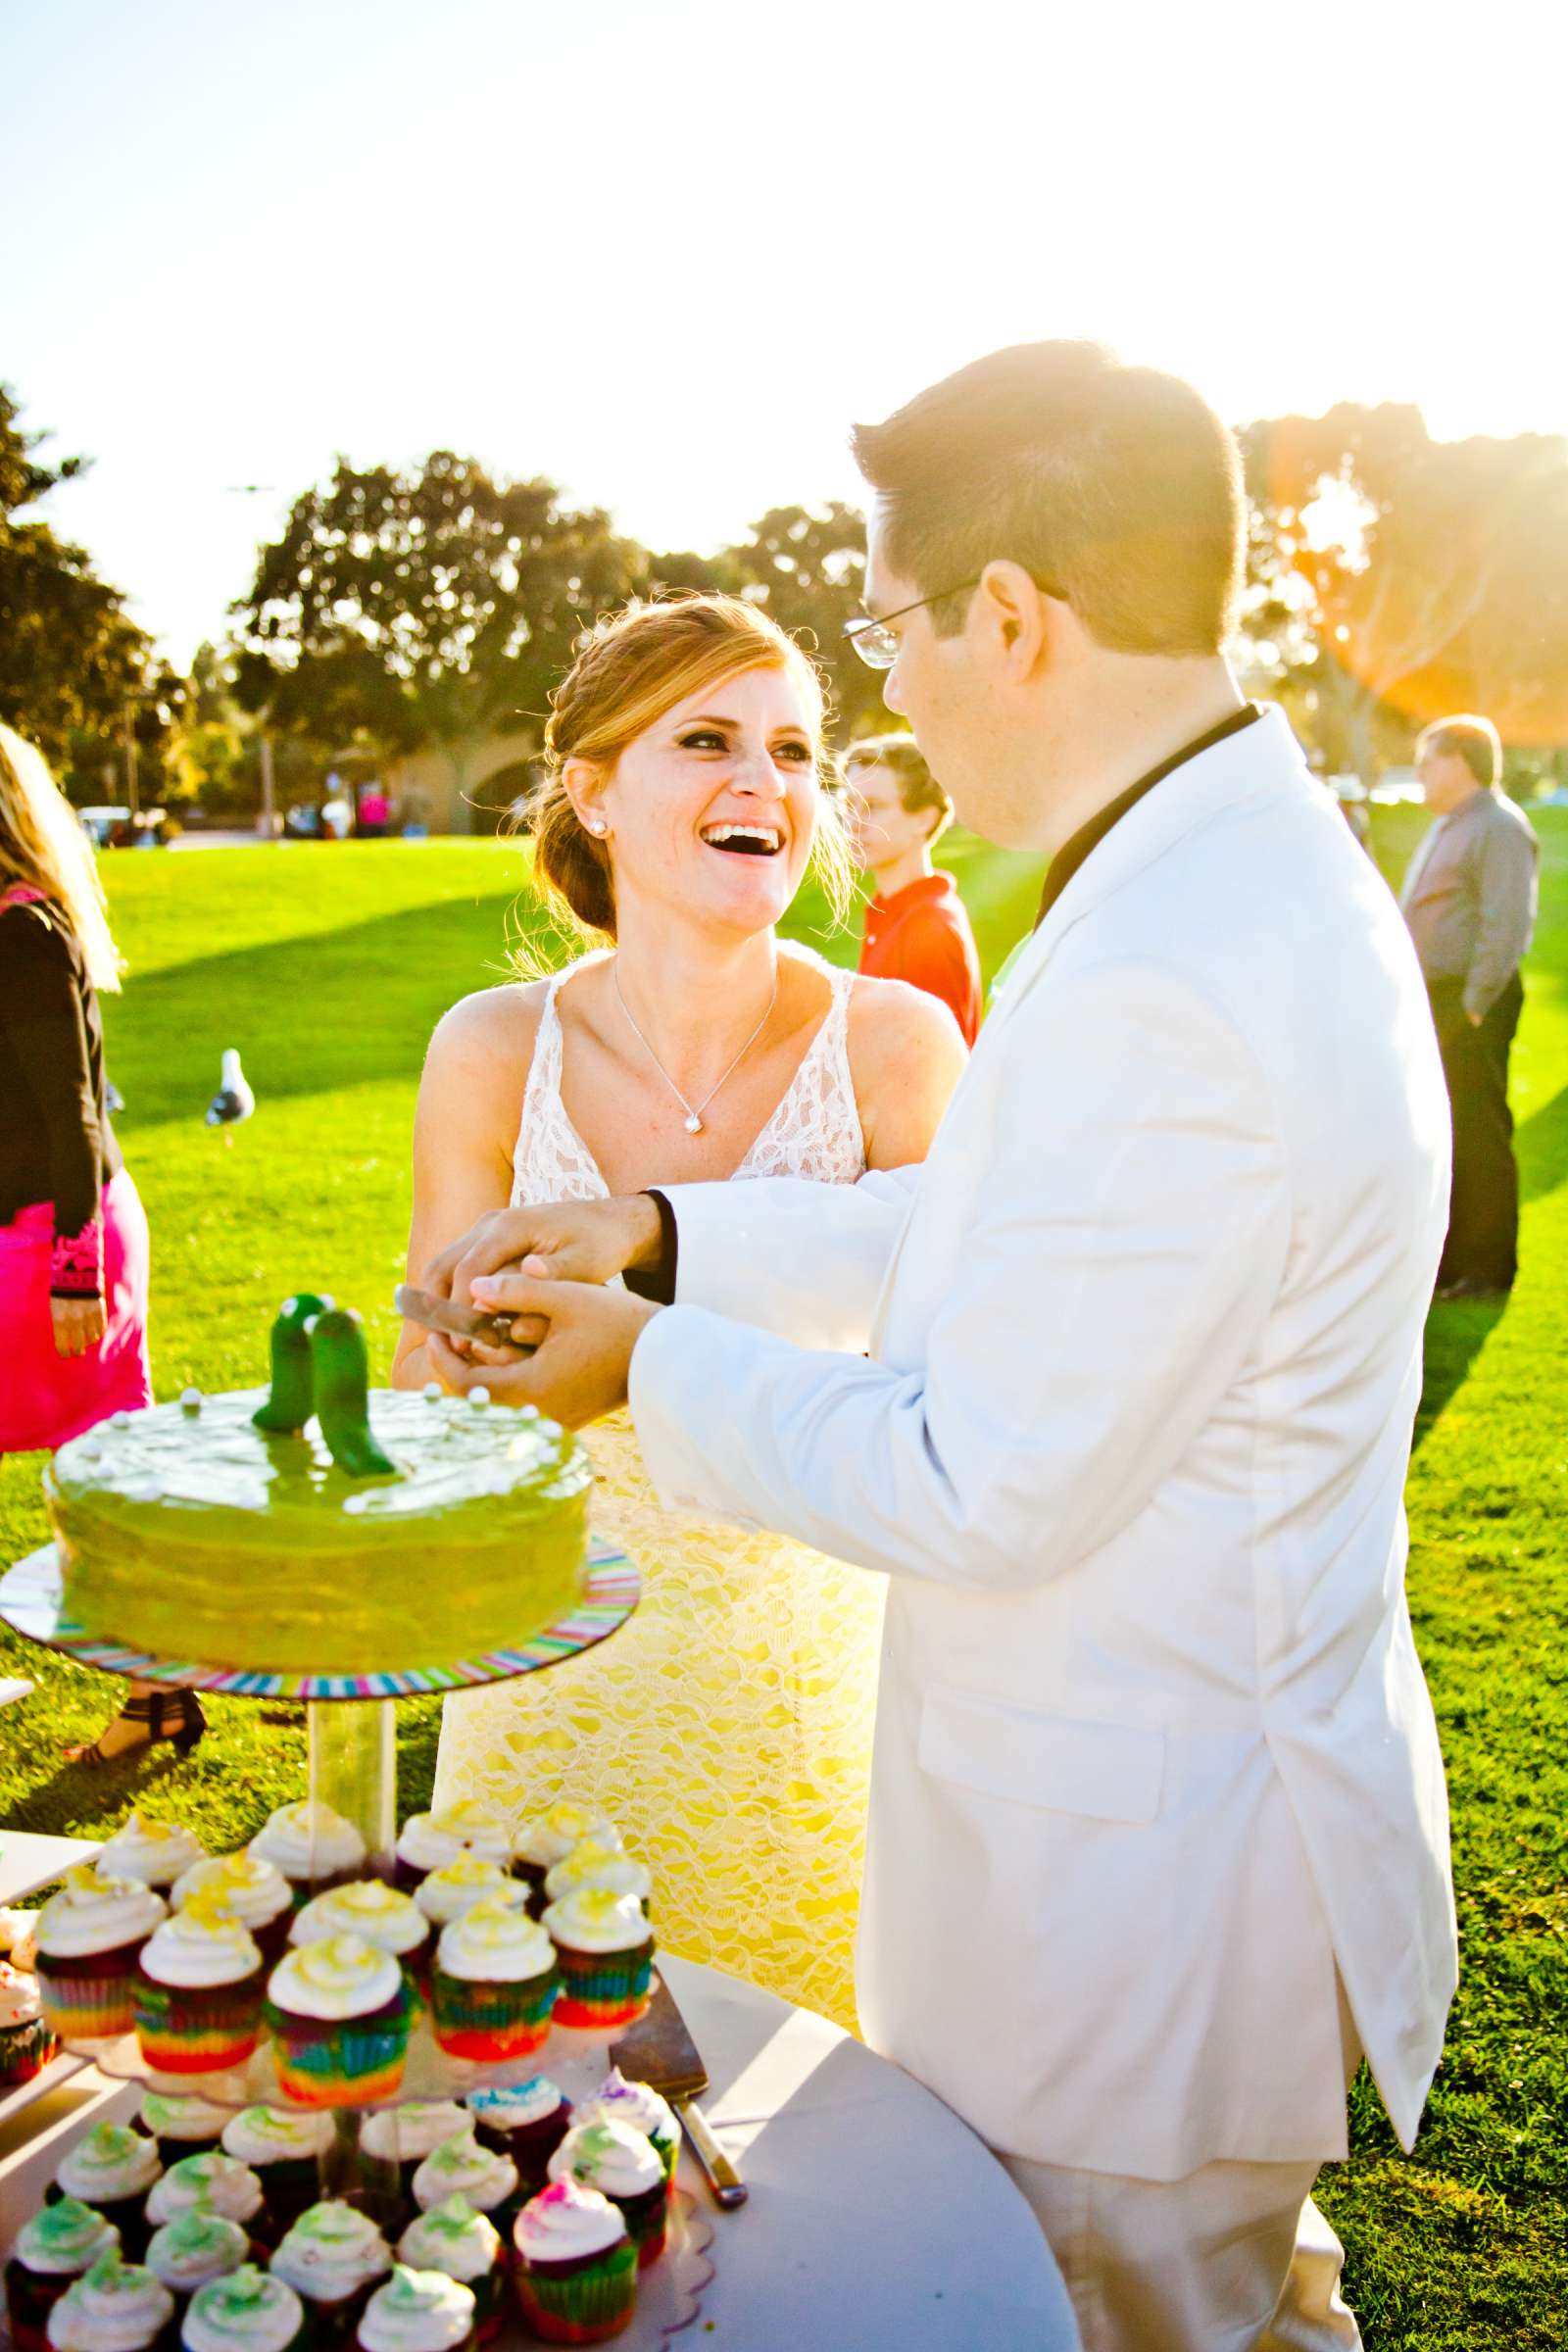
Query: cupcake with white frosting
448,1892
248,2311
593,1863
333,2258
215,2183
417,2311
115,2307
51,2249
404,2136
461,2168
605,1948
284,2149
549,1838
311,1846
200,1983
340,2013
382,1915
152,1851
246,1888
525,2121
493,1984
617,2101
625,2166
181,2126
26,2042
465,2246
576,2266
111,2169
90,1936
194,2247
431,1840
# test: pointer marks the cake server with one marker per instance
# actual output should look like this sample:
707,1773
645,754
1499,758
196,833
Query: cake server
659,2050
465,1322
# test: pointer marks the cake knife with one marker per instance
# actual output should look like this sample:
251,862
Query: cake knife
465,1322
659,2050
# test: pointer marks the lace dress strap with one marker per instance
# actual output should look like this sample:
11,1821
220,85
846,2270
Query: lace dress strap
815,1131
549,1161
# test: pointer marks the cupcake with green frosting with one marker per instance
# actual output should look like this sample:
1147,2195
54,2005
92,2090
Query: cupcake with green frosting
418,2311
214,2182
111,2169
549,1838
311,1846
382,1913
576,2266
340,2013
248,2311
493,1984
52,2249
461,2168
402,2138
246,1888
115,2307
466,2245
333,2258
617,2101
624,2165
605,1948
200,1983
284,2149
525,2121
181,2126
154,1851
197,2245
90,1936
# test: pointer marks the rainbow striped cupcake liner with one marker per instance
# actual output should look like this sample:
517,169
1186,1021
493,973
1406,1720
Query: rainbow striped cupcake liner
347,2063
583,2306
25,2050
604,1988
486,2019
185,2030
87,2006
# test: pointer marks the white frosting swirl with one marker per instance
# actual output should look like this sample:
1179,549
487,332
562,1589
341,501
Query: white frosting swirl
509,2106
249,1889
115,2307
154,1851
246,2312
618,2101
278,2135
445,1895
92,1913
566,2222
195,2247
19,2000
595,1864
495,1944
453,2238
340,1977
430,1840
368,1907
306,1841
330,2252
180,2117
405,2134
607,2156
594,1920
198,1946
212,2179
63,2239
461,2168
550,1837
109,2163
417,2311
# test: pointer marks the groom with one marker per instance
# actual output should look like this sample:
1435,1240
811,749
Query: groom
1118,1388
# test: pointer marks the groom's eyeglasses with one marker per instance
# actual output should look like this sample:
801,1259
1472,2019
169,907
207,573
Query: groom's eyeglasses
875,642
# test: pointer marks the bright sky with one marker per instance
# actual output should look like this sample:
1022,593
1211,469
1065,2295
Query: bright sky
664,250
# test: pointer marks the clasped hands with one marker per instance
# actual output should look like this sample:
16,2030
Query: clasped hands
548,1267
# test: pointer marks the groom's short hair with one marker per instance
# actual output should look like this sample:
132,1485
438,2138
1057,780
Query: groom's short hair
1118,489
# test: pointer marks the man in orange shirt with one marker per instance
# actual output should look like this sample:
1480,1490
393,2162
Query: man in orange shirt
917,928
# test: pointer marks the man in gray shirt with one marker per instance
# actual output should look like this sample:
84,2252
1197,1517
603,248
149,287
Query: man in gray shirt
1469,899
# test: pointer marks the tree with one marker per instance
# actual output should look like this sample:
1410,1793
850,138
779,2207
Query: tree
808,570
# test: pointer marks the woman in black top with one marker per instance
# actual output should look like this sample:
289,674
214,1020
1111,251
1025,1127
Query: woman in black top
74,1250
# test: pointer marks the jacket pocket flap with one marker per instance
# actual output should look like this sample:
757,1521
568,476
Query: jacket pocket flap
1108,1771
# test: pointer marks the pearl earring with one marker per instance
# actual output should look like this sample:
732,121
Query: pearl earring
596,826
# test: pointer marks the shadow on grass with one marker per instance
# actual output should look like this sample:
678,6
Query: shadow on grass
79,1793
1456,1333
1542,1145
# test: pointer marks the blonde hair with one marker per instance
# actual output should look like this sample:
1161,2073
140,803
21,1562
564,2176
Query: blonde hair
42,842
1475,739
630,668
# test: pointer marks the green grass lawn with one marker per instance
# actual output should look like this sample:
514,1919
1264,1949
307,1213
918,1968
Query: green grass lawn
328,967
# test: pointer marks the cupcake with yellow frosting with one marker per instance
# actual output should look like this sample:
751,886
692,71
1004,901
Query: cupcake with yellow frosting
113,2170
311,1846
434,1840
382,1913
152,1851
576,2266
418,2311
340,2013
90,1936
447,1894
200,1983
284,2149
493,1984
54,2247
248,2311
593,1863
333,2258
605,1948
465,2246
194,2247
549,1838
625,2166
115,2307
246,1888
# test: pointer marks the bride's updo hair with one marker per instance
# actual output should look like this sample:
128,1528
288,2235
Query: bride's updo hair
630,668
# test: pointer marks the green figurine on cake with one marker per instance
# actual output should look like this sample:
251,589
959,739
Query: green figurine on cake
322,1527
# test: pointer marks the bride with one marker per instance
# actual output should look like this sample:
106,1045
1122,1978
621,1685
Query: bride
727,1727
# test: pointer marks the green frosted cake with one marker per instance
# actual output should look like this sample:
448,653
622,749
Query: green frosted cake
322,1526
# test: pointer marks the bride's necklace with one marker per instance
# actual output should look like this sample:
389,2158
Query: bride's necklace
694,1110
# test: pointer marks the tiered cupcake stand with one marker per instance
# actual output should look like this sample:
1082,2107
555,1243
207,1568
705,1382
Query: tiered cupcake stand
353,1770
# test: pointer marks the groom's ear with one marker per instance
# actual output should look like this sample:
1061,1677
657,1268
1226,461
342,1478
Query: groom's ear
1011,613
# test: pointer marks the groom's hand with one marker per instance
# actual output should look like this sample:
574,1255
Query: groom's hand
578,1370
565,1241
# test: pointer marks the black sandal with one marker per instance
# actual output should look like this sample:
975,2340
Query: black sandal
173,1715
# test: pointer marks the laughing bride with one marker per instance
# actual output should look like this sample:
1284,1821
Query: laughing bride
727,1727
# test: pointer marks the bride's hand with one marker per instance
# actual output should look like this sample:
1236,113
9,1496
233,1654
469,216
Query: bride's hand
578,1370
567,1241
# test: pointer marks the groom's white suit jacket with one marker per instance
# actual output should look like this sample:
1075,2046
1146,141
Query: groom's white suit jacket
1154,1755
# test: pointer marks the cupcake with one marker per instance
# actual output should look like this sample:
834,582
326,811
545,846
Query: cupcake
447,1894
196,2246
525,2121
181,2126
247,1890
17,1931
284,2149
331,2258
417,2311
311,1846
340,2011
493,1984
404,2136
431,1840
200,1983
89,1937
605,1949
577,2267
550,1837
379,1913
154,1851
115,2307
625,2166
593,1863
111,2169
26,2044
461,2168
248,2311
618,2101
56,2246
466,2245
215,2183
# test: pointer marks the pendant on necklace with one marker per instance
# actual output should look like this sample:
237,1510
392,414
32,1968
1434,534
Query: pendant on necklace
694,1125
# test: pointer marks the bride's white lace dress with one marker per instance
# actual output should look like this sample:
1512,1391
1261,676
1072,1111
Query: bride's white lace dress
727,1727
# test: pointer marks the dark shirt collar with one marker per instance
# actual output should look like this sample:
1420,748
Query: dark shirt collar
1073,853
